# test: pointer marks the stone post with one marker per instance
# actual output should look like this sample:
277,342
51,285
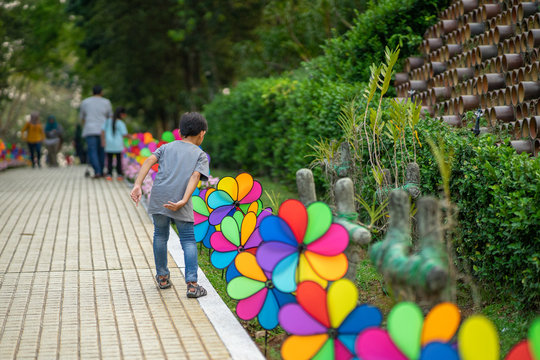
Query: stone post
306,186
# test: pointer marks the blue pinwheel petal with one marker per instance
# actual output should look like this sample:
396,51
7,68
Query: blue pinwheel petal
283,298
438,351
274,228
222,259
360,318
201,230
206,240
268,316
216,217
284,274
218,199
232,272
348,341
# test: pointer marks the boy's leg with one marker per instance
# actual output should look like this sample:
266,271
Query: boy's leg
161,236
189,245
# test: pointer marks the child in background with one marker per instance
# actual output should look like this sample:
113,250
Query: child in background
112,138
33,133
181,165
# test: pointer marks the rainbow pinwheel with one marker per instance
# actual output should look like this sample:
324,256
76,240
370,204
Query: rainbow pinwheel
238,234
528,349
256,292
302,244
233,194
325,323
203,229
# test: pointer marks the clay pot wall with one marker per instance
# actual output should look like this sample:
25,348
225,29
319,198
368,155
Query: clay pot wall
481,54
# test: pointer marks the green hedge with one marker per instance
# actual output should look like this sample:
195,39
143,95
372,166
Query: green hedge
266,125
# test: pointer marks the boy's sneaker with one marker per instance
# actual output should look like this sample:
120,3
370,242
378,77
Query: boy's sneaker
120,178
109,178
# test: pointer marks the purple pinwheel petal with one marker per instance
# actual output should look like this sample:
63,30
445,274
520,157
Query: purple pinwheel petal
202,193
253,195
264,214
272,252
275,228
254,240
249,307
216,217
297,321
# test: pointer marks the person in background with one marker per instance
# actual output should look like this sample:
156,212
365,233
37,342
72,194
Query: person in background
78,143
53,140
33,133
112,139
93,113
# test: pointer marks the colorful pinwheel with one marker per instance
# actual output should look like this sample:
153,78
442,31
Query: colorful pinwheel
325,323
256,292
302,244
201,212
233,194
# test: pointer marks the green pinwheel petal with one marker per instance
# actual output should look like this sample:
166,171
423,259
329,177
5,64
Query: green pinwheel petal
326,351
242,287
231,230
319,221
199,206
239,217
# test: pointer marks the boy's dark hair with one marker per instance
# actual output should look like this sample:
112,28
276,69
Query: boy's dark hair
192,123
96,90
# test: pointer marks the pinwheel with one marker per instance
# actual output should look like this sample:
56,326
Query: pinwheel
528,349
256,292
302,244
325,323
201,212
238,234
233,194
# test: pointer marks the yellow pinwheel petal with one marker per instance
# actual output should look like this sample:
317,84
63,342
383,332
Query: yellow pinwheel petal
302,347
245,184
248,226
247,265
328,267
342,298
306,273
478,339
229,185
441,323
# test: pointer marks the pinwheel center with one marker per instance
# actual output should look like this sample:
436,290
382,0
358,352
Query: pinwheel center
269,284
236,203
241,249
301,248
333,333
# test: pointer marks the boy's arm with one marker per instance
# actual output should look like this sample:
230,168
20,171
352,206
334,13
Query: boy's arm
191,186
136,192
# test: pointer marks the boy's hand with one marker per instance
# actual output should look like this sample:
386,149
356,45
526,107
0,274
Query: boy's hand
174,206
136,194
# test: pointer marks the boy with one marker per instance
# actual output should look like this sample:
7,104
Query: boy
181,165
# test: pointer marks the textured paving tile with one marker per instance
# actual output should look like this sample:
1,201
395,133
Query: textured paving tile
76,276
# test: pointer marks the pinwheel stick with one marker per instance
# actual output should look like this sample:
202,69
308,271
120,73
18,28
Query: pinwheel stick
426,270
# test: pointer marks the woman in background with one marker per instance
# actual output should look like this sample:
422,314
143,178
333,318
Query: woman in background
112,138
33,133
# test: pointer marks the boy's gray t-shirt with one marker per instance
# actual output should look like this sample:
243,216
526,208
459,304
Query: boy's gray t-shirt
177,161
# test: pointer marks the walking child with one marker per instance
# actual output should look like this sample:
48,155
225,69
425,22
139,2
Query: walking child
181,165
33,133
112,139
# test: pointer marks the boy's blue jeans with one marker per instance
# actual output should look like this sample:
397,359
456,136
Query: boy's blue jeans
187,240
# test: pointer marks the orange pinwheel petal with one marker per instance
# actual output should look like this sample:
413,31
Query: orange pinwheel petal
328,267
302,347
441,323
245,184
248,226
246,264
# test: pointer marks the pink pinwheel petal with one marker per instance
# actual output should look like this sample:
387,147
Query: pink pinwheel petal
297,321
253,195
249,307
375,344
333,242
341,352
199,218
220,243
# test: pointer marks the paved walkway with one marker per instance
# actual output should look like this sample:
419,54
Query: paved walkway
76,278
